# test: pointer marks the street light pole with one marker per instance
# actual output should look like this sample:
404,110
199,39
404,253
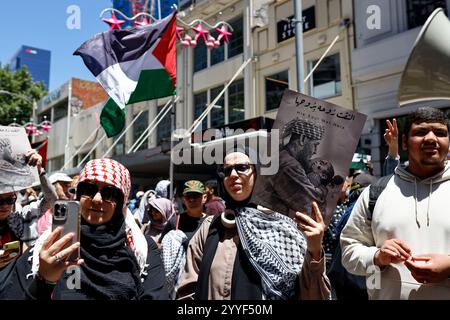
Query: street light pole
298,19
69,111
172,128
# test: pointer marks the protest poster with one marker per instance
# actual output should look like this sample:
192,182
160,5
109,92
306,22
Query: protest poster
317,140
15,173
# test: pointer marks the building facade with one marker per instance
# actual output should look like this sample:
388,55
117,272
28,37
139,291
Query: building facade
385,32
36,60
262,32
83,100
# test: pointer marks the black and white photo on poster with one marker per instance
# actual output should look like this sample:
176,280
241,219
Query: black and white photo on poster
316,146
15,173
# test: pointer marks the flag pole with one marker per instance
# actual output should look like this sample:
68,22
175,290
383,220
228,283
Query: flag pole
122,134
92,149
81,147
69,111
172,129
159,120
344,24
199,120
321,58
148,128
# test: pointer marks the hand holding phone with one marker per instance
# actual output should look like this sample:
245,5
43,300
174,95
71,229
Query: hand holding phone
53,259
14,245
9,252
67,215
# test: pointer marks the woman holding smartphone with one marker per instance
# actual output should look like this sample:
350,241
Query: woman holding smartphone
116,260
21,226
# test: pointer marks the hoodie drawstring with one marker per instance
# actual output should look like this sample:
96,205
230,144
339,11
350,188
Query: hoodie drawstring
415,201
429,203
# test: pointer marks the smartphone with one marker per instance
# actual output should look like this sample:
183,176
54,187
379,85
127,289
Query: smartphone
12,247
67,215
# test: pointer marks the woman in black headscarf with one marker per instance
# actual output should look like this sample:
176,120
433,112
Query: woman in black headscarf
251,253
116,260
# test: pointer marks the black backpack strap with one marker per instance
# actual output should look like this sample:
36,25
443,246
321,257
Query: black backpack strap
375,190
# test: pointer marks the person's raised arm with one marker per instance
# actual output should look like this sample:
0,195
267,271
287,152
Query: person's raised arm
391,138
48,190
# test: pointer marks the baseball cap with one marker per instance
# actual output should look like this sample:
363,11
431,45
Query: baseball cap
59,176
193,186
362,180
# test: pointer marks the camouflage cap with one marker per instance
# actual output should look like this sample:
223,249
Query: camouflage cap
193,186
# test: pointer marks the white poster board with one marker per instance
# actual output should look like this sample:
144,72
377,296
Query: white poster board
15,173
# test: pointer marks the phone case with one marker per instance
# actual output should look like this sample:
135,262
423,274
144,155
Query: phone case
67,215
15,245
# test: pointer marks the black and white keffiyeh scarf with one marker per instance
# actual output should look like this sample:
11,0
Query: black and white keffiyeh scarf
275,248
173,255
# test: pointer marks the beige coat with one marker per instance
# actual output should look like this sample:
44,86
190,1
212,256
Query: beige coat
314,283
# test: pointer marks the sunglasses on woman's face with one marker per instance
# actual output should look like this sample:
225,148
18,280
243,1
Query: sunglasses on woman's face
240,168
8,201
108,193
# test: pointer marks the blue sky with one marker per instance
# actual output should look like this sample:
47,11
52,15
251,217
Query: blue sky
42,24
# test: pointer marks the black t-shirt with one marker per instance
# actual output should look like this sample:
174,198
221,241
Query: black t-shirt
187,224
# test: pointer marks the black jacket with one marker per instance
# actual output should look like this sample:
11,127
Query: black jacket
16,283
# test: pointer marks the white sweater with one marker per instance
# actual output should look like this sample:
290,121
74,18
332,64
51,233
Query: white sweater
413,210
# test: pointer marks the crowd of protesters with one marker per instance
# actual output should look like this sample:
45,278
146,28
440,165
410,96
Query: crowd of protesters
211,242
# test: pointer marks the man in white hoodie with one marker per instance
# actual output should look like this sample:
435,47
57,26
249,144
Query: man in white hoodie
404,250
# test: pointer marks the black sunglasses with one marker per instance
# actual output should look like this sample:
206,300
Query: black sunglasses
108,193
240,168
9,201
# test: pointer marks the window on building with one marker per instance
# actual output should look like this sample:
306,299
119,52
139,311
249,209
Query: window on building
236,44
119,148
325,82
47,115
77,161
418,11
56,163
224,51
275,86
139,127
236,107
163,133
200,101
217,113
217,54
60,110
200,56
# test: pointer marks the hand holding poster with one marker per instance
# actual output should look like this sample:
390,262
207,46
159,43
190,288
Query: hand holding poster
15,173
317,143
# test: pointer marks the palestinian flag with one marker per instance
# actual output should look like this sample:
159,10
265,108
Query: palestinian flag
132,65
